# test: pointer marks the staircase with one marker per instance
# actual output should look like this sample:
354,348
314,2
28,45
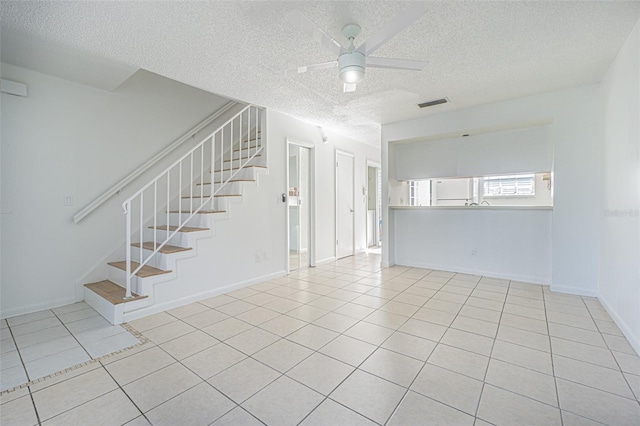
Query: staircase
167,216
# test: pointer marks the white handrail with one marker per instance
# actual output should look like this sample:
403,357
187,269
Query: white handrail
206,154
115,189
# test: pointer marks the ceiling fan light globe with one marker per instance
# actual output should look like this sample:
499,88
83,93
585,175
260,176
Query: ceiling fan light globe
352,74
351,67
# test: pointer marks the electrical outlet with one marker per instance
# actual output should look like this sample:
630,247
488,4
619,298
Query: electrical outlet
258,256
473,252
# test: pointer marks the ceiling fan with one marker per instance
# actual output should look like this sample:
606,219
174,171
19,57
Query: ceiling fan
353,61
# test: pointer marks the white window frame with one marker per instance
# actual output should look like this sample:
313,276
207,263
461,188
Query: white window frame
413,193
532,183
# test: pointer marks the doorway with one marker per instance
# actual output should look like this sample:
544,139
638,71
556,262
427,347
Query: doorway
299,206
345,227
374,208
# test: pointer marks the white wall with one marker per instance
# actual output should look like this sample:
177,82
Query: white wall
620,240
70,139
511,244
575,119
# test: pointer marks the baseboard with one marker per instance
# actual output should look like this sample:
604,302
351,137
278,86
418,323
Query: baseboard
533,279
161,307
327,260
634,340
486,273
8,313
573,290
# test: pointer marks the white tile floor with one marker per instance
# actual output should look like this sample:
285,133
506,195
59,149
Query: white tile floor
350,344
42,343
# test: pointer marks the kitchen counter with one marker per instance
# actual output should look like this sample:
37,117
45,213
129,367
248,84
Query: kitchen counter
484,207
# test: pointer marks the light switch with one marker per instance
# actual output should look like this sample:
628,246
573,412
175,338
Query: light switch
68,200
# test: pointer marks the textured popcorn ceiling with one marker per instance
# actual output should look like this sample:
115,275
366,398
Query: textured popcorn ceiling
478,52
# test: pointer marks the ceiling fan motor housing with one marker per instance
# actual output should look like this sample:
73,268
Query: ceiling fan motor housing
351,66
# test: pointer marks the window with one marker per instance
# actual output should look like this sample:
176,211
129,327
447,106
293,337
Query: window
419,192
413,193
509,186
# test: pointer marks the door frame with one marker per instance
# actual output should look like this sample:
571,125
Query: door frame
312,200
353,195
378,167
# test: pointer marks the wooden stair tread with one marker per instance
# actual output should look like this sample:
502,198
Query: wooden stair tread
232,180
246,147
200,212
167,249
207,196
112,292
236,159
145,272
183,229
251,165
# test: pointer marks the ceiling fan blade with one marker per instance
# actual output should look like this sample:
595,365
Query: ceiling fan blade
396,64
313,67
349,87
308,27
394,27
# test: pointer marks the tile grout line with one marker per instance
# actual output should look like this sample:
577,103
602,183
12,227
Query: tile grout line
35,408
72,335
24,365
493,344
624,377
553,367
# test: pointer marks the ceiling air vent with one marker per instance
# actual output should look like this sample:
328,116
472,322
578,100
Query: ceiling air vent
433,103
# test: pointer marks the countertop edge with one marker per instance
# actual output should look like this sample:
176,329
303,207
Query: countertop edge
471,207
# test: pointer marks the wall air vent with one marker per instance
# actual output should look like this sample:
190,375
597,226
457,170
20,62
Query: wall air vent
433,103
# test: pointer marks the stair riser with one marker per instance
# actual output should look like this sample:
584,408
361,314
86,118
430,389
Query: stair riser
158,261
141,286
118,276
113,313
161,260
249,173
242,154
197,221
180,239
219,203
258,161
228,188
251,143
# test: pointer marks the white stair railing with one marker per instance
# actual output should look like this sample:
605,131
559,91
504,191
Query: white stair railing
226,151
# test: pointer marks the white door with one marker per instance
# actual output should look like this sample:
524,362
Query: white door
344,205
